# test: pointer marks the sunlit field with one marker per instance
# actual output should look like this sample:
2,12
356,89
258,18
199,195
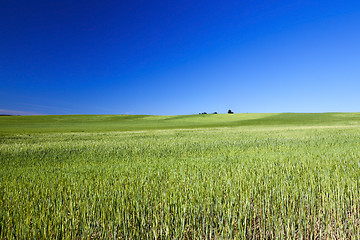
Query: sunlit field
240,176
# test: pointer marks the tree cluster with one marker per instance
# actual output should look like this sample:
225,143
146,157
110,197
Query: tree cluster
229,112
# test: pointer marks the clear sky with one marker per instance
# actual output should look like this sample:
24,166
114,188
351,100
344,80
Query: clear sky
179,57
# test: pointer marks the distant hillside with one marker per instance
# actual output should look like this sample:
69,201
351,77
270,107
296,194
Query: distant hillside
103,123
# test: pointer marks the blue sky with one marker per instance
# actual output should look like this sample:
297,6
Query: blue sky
178,57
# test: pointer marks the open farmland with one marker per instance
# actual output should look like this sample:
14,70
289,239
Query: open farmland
241,176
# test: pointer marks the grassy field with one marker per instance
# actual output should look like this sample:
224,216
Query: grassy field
241,176
111,123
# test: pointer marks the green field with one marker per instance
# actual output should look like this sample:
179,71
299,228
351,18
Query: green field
240,176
